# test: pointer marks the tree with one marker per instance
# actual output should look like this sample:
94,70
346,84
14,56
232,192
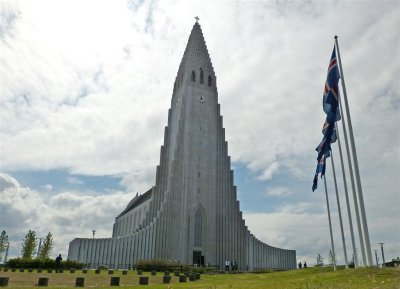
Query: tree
332,258
47,247
3,243
320,260
29,245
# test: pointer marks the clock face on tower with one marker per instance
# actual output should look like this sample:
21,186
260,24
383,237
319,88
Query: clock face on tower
201,98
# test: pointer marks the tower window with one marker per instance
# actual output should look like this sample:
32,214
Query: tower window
209,80
201,76
193,76
197,229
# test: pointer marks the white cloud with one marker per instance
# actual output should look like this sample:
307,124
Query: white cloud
269,172
67,215
74,181
301,227
278,191
48,187
86,86
101,88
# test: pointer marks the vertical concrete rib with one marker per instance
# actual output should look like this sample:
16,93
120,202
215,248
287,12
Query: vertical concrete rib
223,256
258,254
109,253
130,250
151,242
97,242
163,188
134,252
101,251
126,252
233,212
105,256
122,253
225,236
119,248
92,251
140,243
229,202
135,248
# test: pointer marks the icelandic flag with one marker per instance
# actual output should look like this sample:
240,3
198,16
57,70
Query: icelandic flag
326,131
324,152
320,170
331,90
331,108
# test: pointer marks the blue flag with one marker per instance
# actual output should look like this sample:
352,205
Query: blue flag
331,90
320,170
333,133
331,108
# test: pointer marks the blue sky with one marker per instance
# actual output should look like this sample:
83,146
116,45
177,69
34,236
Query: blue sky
60,180
85,88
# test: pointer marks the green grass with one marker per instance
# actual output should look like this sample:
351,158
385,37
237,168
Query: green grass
310,278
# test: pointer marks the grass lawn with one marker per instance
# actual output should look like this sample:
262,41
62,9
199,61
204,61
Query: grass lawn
310,278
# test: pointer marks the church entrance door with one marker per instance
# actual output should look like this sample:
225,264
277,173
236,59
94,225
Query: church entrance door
198,258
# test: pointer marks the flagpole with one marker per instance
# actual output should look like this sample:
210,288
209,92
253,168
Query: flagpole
330,226
347,200
340,214
357,173
353,187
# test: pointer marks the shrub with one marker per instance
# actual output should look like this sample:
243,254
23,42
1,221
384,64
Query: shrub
202,270
42,263
172,266
158,265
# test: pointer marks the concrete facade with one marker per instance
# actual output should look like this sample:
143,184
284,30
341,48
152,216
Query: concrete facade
192,213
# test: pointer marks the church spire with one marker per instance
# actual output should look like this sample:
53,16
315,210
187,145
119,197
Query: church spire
196,59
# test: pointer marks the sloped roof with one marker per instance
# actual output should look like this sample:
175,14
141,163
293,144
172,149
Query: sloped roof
136,201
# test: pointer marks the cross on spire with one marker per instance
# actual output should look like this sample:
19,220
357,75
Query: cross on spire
197,19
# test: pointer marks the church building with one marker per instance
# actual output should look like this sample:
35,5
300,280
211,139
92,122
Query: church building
191,214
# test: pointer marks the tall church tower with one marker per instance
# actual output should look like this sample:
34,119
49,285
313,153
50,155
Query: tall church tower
192,213
193,168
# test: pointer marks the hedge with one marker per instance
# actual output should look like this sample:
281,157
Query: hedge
42,263
164,265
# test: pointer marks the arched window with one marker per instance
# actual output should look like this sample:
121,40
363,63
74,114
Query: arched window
209,80
201,76
193,76
197,229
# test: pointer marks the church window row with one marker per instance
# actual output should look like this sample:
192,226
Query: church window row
193,77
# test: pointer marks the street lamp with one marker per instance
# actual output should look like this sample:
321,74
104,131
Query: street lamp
383,255
376,258
94,232
6,255
39,248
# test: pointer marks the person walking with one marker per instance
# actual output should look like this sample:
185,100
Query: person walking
58,263
227,265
